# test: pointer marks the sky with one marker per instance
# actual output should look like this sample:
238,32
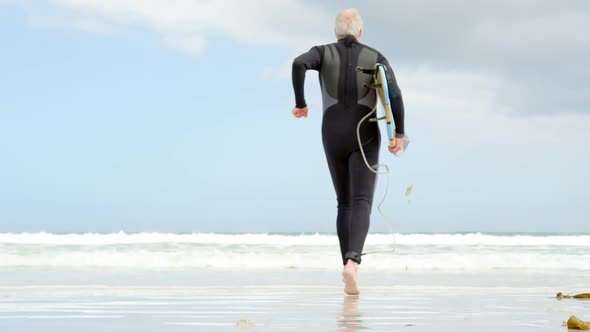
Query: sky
175,116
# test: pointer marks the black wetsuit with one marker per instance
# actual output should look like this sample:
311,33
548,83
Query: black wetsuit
345,102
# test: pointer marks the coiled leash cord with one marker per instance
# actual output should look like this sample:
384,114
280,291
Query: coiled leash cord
375,169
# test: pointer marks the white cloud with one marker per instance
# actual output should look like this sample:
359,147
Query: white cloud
75,23
538,53
538,48
461,108
186,24
191,44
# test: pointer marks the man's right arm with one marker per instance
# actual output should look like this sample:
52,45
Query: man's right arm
310,60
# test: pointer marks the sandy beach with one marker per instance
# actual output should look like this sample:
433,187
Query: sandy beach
294,300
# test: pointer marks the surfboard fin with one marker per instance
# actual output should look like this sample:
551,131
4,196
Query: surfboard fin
368,71
373,86
376,119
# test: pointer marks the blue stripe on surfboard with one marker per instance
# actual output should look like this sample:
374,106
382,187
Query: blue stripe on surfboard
386,97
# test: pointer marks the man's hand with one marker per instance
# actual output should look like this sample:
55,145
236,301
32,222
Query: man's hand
399,144
299,112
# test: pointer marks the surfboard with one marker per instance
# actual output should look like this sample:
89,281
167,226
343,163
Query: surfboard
383,91
380,85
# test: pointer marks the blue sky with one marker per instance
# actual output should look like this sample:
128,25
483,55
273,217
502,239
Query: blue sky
147,116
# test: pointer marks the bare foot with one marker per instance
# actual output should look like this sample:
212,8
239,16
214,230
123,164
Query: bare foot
349,276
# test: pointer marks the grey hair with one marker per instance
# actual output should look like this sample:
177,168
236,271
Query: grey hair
350,24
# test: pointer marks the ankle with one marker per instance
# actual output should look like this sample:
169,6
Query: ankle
351,264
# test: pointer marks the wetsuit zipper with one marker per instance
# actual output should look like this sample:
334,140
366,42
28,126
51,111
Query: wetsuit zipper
347,64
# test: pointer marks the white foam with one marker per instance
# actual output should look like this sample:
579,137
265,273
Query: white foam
465,252
147,238
320,260
288,240
201,324
59,317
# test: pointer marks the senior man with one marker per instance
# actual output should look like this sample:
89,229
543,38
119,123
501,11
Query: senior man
345,102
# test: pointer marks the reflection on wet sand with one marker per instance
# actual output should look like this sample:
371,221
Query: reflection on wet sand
350,319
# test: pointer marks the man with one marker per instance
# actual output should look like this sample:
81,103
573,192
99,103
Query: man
345,102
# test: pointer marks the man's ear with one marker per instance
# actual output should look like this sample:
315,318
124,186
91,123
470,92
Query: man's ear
360,33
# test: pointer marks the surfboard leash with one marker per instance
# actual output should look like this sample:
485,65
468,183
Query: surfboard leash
375,169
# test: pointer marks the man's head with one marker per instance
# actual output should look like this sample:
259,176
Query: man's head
348,22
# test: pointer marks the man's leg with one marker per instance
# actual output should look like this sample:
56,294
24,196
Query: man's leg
339,172
362,187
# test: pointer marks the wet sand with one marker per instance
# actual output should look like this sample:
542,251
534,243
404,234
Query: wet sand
290,300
